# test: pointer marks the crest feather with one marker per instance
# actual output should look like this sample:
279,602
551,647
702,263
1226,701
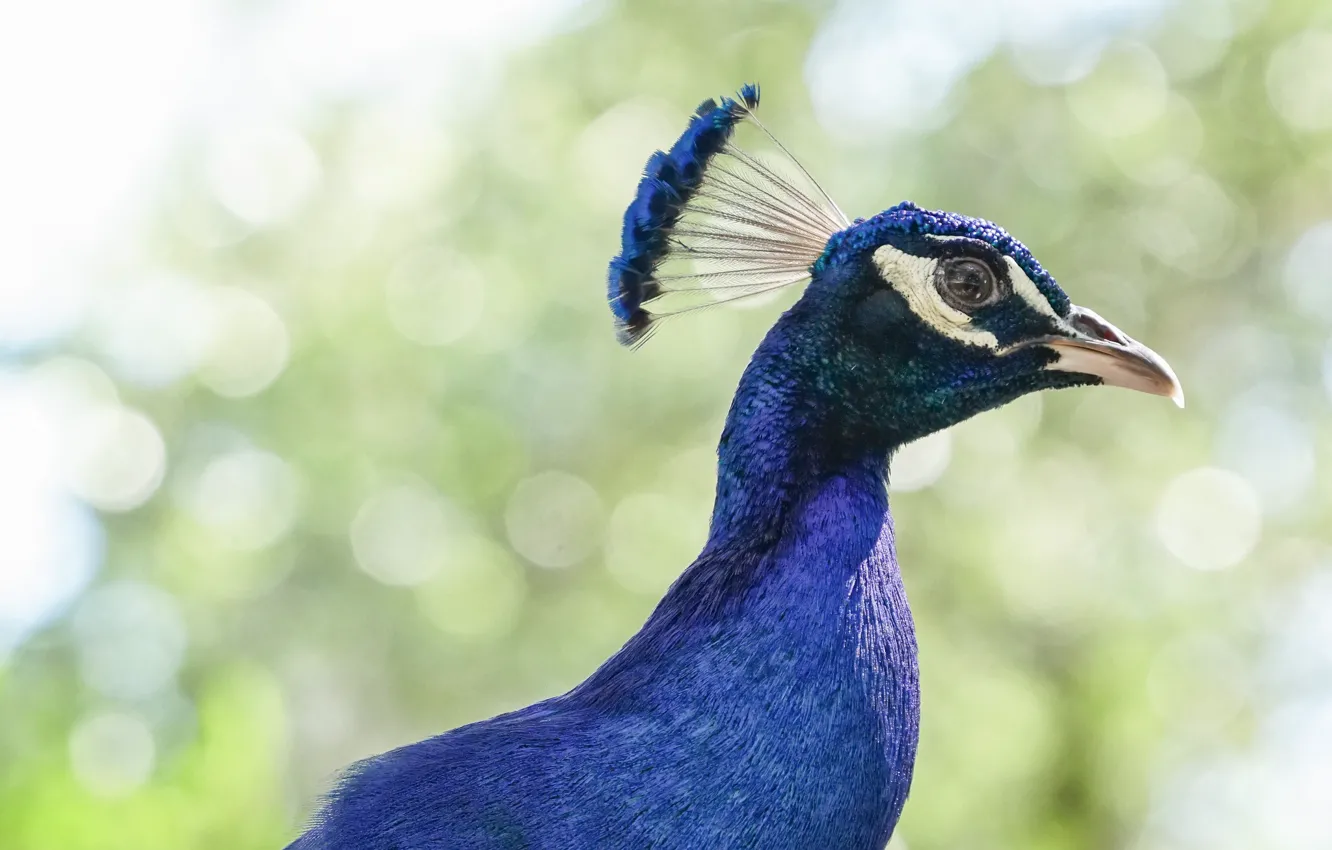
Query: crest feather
712,223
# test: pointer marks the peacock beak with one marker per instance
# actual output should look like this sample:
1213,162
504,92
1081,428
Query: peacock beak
1103,350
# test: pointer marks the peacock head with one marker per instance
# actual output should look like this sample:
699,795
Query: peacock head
931,317
913,319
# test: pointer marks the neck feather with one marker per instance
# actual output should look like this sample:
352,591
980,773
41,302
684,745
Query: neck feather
779,446
792,626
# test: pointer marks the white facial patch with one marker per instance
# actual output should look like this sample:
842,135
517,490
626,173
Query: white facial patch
1027,290
913,278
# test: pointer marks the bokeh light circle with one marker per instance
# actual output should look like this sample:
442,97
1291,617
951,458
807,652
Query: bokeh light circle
112,754
1299,80
402,536
554,519
248,497
117,459
1209,518
1308,271
1125,94
262,175
478,595
248,347
919,464
435,296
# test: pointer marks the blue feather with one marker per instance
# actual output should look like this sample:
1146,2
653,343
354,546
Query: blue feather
669,181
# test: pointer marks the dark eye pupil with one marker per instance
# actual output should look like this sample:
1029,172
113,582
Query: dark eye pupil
967,283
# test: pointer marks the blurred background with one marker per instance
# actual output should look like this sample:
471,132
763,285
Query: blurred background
315,438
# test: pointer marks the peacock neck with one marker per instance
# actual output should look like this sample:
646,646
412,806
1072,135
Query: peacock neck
782,442
789,639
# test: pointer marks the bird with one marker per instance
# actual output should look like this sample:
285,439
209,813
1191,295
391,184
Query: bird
771,700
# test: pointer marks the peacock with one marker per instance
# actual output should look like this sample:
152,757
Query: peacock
772,698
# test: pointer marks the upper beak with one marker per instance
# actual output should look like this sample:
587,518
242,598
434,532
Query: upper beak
1103,350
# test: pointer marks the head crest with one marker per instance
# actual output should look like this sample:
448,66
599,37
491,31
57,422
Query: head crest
744,227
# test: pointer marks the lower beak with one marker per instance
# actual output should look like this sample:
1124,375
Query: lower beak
1102,350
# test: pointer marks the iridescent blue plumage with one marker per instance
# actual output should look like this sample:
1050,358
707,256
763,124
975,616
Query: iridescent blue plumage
669,181
771,701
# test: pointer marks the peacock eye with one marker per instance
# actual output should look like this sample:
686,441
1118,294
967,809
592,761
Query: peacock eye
966,284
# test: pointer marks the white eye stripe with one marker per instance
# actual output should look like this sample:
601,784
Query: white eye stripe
913,278
1027,290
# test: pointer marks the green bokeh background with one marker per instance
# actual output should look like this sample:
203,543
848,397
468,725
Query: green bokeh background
547,486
